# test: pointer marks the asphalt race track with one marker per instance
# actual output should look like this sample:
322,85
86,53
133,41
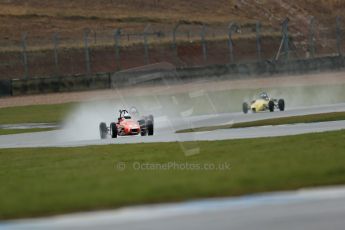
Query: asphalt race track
316,209
165,128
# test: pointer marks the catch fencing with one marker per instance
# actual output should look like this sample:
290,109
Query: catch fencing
184,45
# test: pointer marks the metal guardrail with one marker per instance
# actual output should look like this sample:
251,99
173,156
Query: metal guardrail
124,79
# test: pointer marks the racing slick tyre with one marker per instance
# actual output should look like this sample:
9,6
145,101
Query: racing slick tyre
103,130
245,107
143,132
143,129
149,127
113,130
271,106
281,104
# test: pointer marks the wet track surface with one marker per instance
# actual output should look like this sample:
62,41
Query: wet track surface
165,128
316,209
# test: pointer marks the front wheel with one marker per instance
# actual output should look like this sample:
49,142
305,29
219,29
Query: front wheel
149,127
271,106
143,132
113,130
245,107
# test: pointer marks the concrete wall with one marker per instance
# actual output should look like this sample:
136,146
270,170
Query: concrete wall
125,79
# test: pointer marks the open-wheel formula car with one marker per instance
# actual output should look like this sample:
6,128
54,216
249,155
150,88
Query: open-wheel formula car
263,103
126,126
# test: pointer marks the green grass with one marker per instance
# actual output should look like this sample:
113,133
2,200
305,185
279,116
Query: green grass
17,131
35,113
46,181
335,116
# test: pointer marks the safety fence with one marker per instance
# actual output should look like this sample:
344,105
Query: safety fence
183,45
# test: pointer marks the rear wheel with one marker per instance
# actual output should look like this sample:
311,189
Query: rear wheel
103,130
245,107
113,130
281,104
271,106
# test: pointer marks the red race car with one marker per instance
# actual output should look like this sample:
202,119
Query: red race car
126,126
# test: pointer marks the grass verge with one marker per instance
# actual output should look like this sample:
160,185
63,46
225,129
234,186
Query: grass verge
54,113
46,181
322,117
17,131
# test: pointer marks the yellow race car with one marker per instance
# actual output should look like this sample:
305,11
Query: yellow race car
263,103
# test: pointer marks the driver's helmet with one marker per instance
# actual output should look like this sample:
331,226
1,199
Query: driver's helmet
126,115
264,95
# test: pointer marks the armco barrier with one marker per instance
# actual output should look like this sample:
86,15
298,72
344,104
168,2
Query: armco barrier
124,79
63,84
232,71
5,88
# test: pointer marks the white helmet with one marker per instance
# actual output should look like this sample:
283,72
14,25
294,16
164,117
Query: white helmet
126,115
